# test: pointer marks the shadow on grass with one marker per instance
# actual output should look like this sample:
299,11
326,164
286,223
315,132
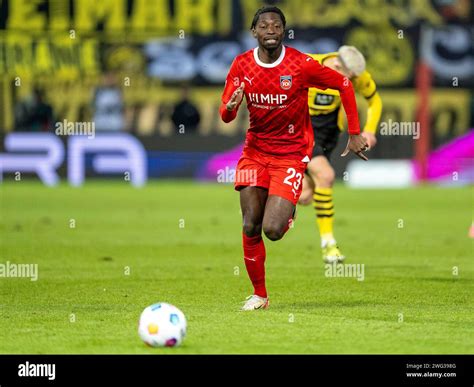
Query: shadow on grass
447,280
308,305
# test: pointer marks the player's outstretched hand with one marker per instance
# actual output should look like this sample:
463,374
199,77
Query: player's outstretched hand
370,138
236,97
356,144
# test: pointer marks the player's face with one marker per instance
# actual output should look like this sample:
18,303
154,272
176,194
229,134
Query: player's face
269,31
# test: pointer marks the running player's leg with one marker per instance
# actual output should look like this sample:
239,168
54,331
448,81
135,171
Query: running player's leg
252,204
278,213
326,135
306,197
286,178
252,180
321,171
323,174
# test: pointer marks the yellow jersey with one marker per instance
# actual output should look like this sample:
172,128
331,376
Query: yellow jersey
328,102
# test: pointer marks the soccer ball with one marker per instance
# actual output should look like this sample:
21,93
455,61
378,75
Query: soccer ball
162,325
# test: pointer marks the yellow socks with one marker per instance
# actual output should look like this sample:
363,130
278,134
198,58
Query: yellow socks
323,204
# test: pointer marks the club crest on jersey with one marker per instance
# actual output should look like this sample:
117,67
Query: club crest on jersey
286,81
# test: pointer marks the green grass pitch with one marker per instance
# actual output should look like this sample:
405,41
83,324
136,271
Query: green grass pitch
181,243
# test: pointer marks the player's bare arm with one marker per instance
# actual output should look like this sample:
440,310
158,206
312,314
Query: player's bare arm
370,138
356,144
325,77
236,98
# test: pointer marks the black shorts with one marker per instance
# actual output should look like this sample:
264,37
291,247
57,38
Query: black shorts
326,134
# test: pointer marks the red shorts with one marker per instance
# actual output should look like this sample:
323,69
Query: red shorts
281,177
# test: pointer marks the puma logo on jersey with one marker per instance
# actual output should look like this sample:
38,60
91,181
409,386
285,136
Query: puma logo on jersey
249,80
273,99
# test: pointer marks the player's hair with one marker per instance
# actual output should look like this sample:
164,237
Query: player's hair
352,59
266,9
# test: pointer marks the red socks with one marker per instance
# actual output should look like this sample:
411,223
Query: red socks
254,257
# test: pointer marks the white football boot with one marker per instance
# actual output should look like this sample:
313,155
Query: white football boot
255,302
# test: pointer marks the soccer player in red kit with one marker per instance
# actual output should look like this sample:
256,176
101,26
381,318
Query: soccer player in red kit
274,79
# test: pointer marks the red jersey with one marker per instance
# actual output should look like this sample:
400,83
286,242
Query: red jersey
277,100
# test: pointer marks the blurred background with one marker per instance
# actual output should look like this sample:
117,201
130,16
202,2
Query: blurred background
143,78
111,95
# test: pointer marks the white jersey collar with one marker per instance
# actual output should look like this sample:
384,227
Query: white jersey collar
269,65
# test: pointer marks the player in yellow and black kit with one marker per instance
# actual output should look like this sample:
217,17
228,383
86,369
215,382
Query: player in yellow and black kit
325,110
